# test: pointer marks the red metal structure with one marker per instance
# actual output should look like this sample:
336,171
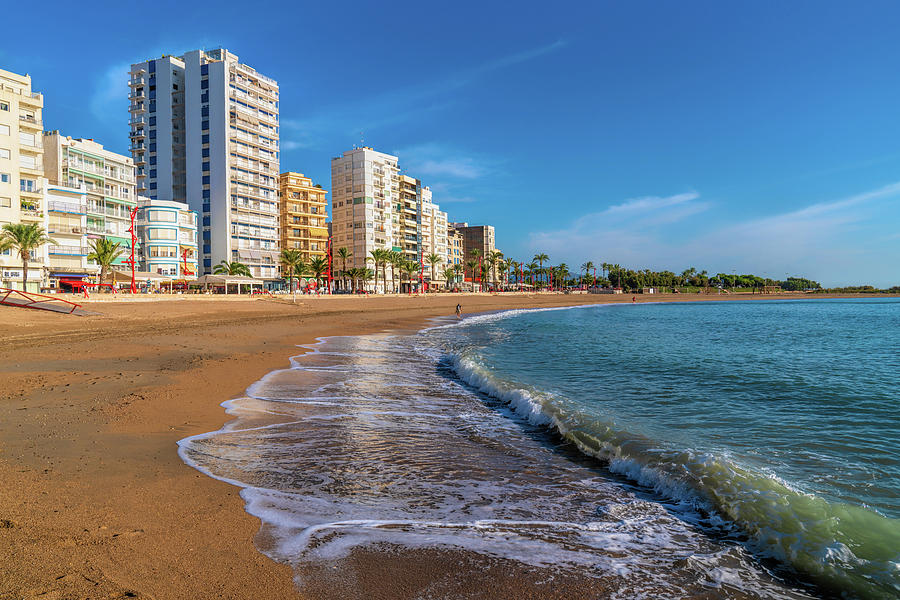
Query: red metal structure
329,265
22,299
130,260
185,270
479,274
421,269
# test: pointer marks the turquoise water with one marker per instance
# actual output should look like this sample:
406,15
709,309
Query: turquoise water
778,419
743,450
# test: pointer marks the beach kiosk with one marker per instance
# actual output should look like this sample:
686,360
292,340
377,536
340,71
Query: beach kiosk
234,282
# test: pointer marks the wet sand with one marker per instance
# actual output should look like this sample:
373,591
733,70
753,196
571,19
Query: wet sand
96,502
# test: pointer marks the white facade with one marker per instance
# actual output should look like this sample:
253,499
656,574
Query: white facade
205,131
107,180
66,223
21,172
167,232
364,188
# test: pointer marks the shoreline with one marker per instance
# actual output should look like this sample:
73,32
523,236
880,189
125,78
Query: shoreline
97,500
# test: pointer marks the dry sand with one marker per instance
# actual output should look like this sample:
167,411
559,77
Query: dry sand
95,502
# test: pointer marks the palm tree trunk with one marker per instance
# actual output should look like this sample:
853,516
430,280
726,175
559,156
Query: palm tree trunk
24,271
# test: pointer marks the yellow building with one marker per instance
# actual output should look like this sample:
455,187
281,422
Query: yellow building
21,171
304,215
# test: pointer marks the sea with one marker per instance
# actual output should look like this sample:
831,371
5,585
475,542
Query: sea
740,449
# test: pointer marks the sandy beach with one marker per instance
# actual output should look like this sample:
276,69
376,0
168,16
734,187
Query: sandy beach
96,502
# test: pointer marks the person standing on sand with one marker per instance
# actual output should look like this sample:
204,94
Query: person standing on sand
458,310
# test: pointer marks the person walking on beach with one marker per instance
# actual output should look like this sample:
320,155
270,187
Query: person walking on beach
458,310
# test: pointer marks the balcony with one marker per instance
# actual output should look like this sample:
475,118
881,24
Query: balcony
138,146
35,146
33,170
36,192
138,80
65,229
28,122
138,121
137,95
33,99
66,207
68,250
138,108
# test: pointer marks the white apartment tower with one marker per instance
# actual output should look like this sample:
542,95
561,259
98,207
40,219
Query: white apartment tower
365,196
204,130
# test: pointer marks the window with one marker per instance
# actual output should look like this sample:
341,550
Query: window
5,202
4,129
205,125
157,233
204,69
27,185
206,138
4,153
204,84
153,120
4,106
162,215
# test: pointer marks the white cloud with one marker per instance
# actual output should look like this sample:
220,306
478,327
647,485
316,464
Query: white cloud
439,160
831,241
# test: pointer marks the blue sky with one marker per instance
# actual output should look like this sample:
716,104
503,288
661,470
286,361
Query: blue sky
760,138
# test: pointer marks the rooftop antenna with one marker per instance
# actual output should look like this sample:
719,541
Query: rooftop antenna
362,140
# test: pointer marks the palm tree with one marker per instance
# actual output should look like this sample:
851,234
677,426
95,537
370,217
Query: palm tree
494,259
232,268
365,273
532,269
459,271
396,259
433,259
293,265
376,256
104,252
539,259
409,268
449,273
24,239
344,254
586,267
471,264
318,266
562,273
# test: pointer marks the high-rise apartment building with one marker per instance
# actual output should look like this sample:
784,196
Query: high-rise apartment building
365,200
106,178
21,171
304,216
205,130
